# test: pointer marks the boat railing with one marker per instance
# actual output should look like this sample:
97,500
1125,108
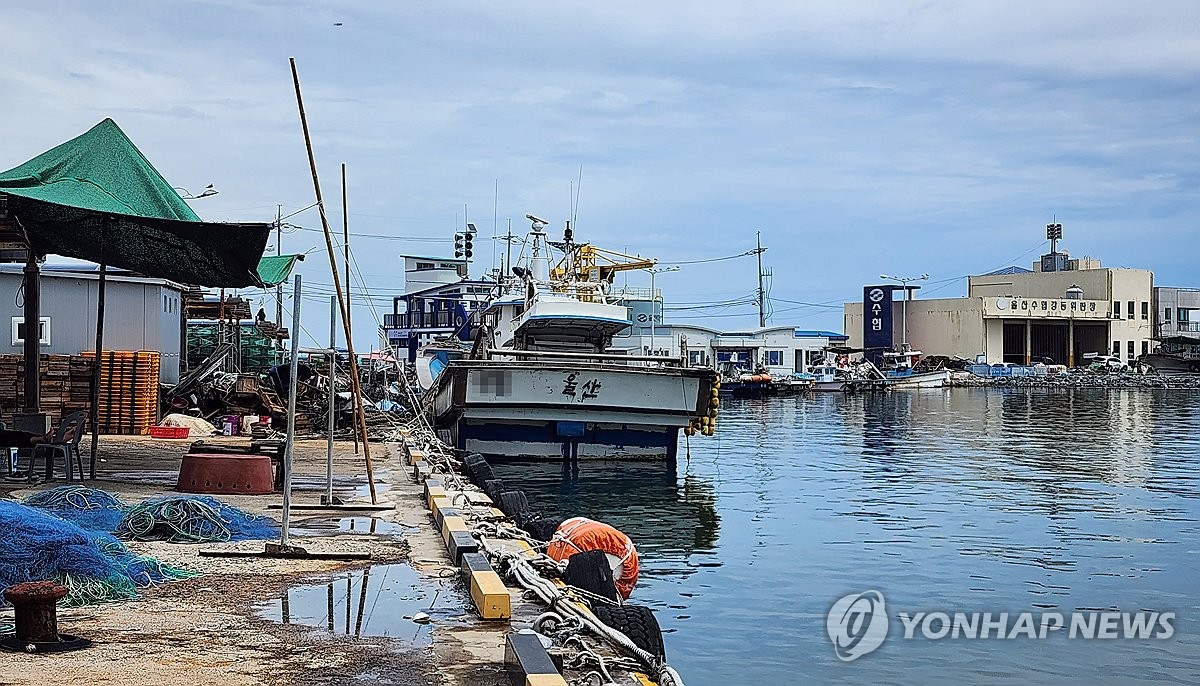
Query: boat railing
665,361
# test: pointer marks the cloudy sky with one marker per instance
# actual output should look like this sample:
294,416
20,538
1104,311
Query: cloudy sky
858,137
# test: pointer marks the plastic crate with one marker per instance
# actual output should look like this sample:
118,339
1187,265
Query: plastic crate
169,432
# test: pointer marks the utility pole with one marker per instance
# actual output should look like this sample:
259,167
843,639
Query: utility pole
655,308
278,286
762,293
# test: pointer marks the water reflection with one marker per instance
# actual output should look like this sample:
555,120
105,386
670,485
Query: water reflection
967,499
669,518
377,601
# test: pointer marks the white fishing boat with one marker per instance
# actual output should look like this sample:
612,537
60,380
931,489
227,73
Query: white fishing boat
899,372
540,381
832,379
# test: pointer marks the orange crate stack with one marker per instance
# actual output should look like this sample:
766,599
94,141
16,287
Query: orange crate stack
128,391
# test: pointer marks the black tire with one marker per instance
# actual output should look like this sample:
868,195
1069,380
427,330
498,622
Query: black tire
636,622
493,488
589,570
513,503
480,473
541,528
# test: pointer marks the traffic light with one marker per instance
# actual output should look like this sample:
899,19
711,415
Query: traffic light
458,245
467,244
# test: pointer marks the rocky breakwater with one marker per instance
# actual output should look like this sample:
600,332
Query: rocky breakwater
1080,378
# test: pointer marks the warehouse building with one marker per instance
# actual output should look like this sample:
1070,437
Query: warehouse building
1060,310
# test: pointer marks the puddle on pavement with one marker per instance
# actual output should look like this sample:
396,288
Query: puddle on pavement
378,601
364,491
352,525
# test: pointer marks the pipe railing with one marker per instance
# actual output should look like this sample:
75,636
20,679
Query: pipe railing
584,356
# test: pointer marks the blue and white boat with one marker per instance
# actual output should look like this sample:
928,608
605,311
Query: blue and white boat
540,381
898,372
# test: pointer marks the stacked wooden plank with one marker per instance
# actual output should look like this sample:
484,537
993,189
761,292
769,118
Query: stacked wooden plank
128,402
65,381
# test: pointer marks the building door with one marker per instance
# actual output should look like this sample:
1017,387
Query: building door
1014,342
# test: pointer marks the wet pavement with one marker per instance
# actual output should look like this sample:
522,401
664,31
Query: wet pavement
382,600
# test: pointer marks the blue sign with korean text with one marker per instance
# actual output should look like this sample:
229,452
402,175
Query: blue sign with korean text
877,321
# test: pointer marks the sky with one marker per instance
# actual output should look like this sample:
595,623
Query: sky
859,138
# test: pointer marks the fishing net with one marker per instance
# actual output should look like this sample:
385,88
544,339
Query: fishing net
192,519
38,546
90,508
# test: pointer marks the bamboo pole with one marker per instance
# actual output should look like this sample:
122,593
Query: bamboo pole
355,401
337,286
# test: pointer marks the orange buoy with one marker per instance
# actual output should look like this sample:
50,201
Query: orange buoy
580,534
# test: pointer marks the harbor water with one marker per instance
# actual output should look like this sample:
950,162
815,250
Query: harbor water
962,500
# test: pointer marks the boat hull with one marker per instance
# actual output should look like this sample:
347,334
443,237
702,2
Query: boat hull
557,409
1171,365
937,379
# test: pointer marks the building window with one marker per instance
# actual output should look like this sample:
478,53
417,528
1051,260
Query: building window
1145,347
1145,310
774,358
1131,304
1116,313
1131,350
18,331
1116,348
424,266
1167,315
695,357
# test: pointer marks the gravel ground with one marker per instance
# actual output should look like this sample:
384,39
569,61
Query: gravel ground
205,631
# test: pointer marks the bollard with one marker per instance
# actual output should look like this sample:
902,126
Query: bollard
35,616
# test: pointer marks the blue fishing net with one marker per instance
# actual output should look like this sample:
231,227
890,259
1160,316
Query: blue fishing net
90,508
192,519
38,546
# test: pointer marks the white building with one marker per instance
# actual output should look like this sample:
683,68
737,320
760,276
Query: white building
139,313
783,350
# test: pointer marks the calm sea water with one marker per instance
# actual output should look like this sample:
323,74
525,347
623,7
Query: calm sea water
957,501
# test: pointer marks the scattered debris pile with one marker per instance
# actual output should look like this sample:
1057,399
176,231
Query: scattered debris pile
213,395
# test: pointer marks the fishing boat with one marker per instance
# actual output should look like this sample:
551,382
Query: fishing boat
1174,355
541,382
832,379
900,372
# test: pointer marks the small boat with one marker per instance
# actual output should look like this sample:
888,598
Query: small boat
899,371
832,379
1174,356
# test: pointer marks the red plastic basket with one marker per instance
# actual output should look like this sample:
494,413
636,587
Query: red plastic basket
169,432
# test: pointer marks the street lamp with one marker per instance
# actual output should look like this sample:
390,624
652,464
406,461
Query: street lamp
904,281
187,195
654,298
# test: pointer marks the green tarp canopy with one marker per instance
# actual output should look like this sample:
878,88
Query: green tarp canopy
275,269
97,198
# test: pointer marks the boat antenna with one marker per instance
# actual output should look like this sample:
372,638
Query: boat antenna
578,189
495,221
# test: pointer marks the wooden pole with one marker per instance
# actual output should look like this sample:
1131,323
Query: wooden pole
337,286
95,409
354,401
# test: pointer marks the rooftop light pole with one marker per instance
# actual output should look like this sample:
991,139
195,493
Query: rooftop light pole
904,281
654,299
